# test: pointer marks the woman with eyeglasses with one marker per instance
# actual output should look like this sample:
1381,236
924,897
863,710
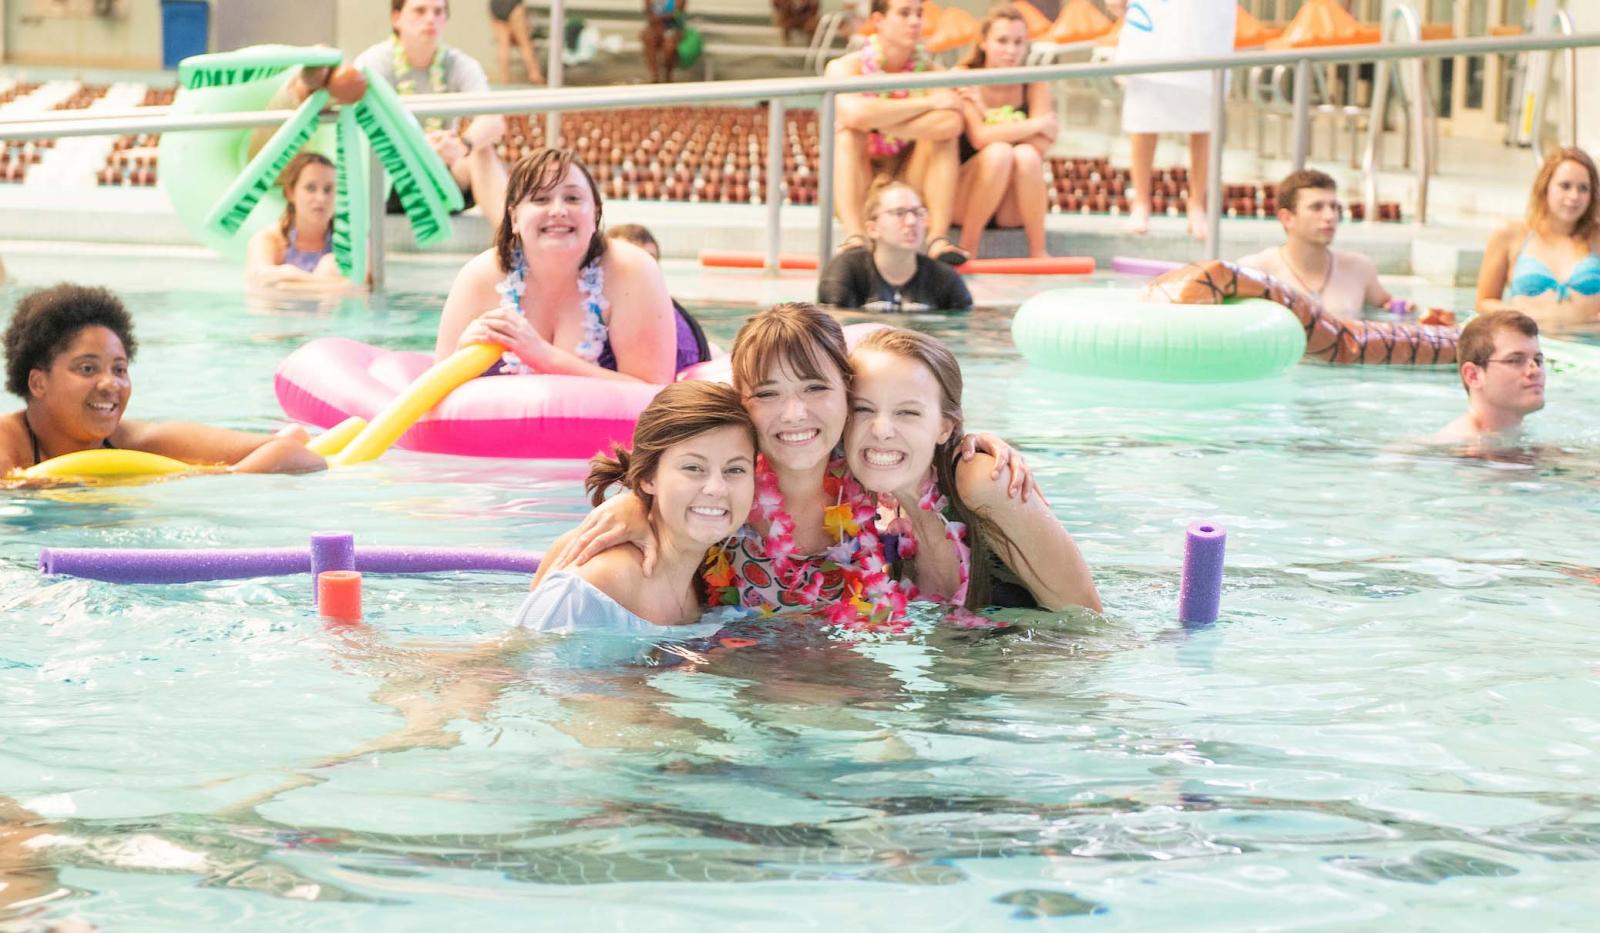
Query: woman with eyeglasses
1548,265
894,275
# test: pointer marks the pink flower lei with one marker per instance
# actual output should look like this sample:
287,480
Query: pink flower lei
932,500
871,600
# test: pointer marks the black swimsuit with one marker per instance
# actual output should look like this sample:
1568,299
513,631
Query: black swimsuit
38,455
967,150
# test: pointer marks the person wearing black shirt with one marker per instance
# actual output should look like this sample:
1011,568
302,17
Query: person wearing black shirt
894,275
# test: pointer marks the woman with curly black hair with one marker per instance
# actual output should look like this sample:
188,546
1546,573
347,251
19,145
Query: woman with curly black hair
67,353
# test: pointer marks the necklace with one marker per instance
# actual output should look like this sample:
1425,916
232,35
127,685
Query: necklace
405,83
849,583
1313,292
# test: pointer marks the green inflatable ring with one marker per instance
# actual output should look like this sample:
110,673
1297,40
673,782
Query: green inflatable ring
1110,333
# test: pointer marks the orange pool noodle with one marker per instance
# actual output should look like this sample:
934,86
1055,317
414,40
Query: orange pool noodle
1049,265
339,595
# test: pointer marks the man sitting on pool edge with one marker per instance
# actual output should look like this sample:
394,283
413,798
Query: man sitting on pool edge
1344,282
1503,371
67,354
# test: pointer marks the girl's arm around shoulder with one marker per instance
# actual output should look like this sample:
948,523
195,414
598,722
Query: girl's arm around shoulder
1044,556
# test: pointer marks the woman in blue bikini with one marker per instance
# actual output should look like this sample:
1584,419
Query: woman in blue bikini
1548,266
558,295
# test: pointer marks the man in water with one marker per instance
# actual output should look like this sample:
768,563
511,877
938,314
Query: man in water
415,60
1309,209
1503,371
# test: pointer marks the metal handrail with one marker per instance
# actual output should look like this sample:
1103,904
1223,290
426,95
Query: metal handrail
1410,24
554,101
1541,94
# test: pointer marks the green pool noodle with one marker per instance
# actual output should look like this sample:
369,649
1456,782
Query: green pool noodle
252,63
197,166
1110,333
352,212
263,171
428,215
410,135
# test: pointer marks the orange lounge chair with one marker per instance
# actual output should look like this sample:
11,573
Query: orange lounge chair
1079,21
1324,23
1038,23
1249,32
957,28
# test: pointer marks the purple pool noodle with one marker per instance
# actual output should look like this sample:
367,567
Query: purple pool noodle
1134,265
331,550
119,565
1397,306
1201,592
170,565
439,559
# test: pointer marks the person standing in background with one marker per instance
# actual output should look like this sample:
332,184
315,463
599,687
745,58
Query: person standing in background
508,20
1171,102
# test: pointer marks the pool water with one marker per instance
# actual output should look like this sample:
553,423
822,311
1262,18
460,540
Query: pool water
1396,721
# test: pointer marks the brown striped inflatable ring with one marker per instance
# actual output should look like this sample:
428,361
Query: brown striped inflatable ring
1329,338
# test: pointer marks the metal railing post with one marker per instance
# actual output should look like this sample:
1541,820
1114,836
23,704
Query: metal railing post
1422,136
558,44
825,131
377,208
774,183
1302,113
1219,125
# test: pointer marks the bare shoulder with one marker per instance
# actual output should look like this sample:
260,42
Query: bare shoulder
623,258
1357,263
976,484
615,572
1266,260
14,448
1509,235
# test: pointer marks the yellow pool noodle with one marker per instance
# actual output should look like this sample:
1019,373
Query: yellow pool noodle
103,462
418,399
335,439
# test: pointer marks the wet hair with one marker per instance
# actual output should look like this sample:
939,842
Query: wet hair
796,334
1539,201
290,178
998,12
539,171
46,321
637,234
681,412
1476,344
985,538
396,6
1289,189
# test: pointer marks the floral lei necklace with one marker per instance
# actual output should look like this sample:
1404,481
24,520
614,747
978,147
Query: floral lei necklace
879,145
932,500
591,281
406,84
869,600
